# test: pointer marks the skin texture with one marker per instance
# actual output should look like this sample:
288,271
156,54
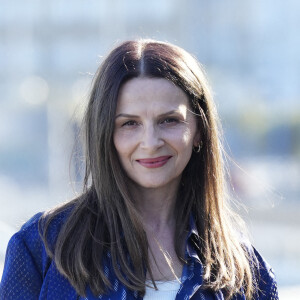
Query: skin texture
154,136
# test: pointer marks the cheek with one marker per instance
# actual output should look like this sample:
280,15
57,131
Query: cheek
118,144
183,138
123,144
187,137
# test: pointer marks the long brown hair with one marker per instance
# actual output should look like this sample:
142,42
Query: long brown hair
104,218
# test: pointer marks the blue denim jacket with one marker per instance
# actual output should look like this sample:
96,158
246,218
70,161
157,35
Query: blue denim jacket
30,274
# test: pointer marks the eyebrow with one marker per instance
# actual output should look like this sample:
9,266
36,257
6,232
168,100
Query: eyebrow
161,115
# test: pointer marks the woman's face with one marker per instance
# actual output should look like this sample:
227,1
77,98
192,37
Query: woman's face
154,131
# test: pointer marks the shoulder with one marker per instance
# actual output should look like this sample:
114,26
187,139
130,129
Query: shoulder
29,229
32,229
267,285
51,222
28,239
27,263
263,274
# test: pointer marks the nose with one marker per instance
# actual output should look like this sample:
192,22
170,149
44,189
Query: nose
151,138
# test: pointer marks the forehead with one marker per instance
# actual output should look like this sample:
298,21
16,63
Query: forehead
156,93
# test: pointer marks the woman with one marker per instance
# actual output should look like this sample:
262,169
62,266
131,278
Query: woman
152,221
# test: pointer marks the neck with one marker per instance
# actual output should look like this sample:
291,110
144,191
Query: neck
156,206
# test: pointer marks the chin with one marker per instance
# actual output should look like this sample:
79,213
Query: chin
155,184
151,185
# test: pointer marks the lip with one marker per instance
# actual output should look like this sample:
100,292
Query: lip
154,162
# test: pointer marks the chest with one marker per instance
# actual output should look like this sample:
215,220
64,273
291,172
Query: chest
164,262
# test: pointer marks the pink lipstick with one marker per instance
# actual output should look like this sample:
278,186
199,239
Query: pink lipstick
154,162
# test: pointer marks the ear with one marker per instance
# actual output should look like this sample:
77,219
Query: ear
197,139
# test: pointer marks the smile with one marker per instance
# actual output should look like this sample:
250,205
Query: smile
154,162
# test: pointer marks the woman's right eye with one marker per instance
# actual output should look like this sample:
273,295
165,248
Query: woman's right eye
129,123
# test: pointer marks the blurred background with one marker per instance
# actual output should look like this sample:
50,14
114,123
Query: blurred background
250,49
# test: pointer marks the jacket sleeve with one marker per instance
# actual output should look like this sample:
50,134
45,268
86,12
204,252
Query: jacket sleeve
22,275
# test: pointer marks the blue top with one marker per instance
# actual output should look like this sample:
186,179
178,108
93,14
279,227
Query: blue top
30,274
